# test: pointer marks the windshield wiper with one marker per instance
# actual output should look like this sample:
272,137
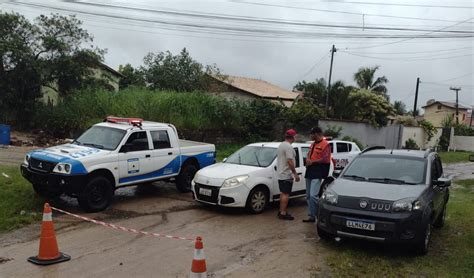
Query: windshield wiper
76,142
389,180
93,145
240,159
355,177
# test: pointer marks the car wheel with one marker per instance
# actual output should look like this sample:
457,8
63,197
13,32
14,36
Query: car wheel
441,218
43,192
185,177
257,200
424,241
323,234
97,194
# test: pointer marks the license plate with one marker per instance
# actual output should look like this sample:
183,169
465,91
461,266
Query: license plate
360,225
204,191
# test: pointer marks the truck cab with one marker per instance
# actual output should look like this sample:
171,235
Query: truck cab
115,153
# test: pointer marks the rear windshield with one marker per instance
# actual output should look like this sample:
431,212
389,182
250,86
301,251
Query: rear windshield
407,170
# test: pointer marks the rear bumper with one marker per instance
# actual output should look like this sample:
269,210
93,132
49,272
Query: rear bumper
389,227
57,183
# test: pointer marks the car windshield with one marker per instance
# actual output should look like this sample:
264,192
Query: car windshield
101,137
397,170
253,156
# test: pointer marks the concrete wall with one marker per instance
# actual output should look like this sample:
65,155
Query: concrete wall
420,137
462,143
389,136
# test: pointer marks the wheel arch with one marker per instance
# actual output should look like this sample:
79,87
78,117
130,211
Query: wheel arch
192,161
103,173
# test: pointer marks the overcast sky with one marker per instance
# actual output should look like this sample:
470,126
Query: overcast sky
295,56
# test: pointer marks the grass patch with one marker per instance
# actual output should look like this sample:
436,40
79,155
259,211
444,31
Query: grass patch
225,150
455,157
451,252
19,205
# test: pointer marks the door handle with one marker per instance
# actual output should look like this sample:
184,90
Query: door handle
147,156
170,153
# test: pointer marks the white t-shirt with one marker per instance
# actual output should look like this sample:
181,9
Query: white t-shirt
285,153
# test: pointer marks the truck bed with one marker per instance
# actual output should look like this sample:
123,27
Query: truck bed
192,147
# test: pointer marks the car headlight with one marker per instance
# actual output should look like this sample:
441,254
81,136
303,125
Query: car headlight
235,181
27,160
407,204
62,168
329,197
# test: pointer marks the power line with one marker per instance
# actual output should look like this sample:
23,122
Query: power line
444,85
254,19
454,78
404,5
320,61
418,52
242,30
407,59
403,40
341,12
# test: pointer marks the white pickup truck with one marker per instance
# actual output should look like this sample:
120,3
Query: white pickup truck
342,153
118,152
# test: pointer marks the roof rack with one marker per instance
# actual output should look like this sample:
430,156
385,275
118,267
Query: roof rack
372,148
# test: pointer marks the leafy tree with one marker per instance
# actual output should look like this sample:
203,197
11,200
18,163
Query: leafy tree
165,71
399,107
365,79
303,114
53,50
371,107
132,76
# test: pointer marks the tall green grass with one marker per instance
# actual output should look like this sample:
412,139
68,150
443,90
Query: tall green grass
190,111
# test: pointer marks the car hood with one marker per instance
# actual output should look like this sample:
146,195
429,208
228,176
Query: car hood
67,152
372,190
217,173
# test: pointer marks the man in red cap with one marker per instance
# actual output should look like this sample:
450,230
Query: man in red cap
286,172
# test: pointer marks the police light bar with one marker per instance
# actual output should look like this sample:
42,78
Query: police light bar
118,120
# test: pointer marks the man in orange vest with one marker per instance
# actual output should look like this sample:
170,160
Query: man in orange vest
318,162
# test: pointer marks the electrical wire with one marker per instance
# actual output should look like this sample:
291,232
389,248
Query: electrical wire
444,85
417,52
341,12
319,62
424,58
403,5
458,77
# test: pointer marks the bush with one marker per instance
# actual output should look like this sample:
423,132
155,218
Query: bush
355,140
303,115
195,111
410,144
463,130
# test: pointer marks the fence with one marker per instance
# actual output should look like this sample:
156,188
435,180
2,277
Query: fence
462,143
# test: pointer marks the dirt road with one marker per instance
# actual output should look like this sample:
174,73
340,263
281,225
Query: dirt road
12,155
236,244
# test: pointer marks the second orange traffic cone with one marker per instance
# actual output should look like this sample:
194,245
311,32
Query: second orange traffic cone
198,268
48,247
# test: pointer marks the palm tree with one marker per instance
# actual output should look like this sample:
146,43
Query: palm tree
400,107
365,79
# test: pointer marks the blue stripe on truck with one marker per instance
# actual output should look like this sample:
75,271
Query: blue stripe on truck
204,159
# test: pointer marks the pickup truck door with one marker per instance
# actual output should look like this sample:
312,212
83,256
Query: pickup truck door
166,153
135,162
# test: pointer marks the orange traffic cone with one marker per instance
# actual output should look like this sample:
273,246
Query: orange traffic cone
48,247
198,268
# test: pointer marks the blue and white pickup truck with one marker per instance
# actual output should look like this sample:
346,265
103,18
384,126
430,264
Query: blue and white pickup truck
118,152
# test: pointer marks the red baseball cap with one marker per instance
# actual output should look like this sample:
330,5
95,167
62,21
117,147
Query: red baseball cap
290,132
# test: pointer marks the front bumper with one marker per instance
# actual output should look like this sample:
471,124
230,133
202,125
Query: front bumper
389,227
226,197
56,183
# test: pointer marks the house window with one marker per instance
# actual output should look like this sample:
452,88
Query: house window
439,106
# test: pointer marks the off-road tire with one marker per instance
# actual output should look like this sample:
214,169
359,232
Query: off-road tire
185,177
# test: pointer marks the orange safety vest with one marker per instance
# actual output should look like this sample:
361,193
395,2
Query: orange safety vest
316,151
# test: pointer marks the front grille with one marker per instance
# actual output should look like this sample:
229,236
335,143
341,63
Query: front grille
365,204
205,198
42,165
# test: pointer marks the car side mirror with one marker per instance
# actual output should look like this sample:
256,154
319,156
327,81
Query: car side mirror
442,182
225,159
471,157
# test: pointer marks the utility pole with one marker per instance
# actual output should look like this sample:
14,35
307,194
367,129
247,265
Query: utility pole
457,102
416,96
333,50
472,115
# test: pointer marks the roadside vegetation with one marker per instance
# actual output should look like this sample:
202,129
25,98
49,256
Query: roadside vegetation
18,203
451,252
455,157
